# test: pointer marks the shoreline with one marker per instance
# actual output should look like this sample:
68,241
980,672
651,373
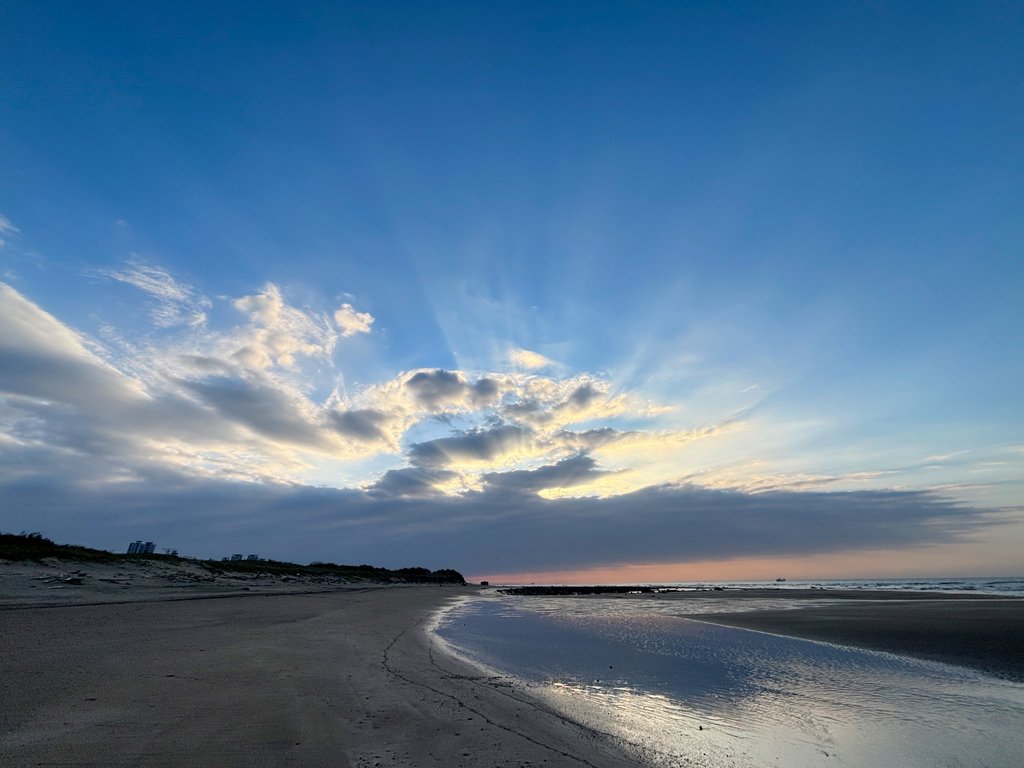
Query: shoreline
627,592
685,683
979,631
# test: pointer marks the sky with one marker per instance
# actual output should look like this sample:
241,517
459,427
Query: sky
560,291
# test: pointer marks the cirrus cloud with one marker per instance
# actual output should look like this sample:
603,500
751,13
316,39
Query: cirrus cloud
174,302
6,228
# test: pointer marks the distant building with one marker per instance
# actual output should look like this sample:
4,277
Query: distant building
236,557
138,548
252,557
134,548
148,548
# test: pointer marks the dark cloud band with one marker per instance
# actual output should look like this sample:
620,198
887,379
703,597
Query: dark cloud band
504,527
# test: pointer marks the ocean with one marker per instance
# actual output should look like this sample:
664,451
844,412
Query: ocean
679,692
1005,586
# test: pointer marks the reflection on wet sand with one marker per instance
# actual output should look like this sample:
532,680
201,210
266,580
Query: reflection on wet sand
682,690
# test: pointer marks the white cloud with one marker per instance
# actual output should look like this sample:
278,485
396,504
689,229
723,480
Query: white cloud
352,322
238,401
524,358
499,420
278,333
70,395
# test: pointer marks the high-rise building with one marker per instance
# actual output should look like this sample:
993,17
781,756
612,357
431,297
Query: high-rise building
135,548
148,548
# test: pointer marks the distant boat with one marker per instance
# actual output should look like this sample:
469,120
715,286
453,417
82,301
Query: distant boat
780,579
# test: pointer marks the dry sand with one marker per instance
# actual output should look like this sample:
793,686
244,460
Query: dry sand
57,582
346,678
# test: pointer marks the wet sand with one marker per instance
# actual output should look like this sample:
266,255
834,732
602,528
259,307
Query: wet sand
980,633
348,678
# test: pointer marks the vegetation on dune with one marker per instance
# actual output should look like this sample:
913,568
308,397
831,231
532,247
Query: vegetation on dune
36,547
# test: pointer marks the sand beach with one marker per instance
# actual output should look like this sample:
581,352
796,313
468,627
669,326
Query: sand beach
272,674
342,678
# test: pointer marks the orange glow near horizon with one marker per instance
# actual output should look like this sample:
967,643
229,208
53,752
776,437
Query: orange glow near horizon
952,561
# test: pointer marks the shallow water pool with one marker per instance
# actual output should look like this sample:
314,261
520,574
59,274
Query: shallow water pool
683,692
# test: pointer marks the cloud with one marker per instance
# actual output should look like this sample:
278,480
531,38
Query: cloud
176,303
279,333
537,412
582,396
527,411
58,395
173,439
477,446
542,403
434,389
260,406
6,228
60,389
524,358
513,530
411,482
592,439
365,425
485,391
236,402
351,322
413,396
40,358
548,404
573,471
503,528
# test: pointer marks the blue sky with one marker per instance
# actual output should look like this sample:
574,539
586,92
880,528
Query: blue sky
518,288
